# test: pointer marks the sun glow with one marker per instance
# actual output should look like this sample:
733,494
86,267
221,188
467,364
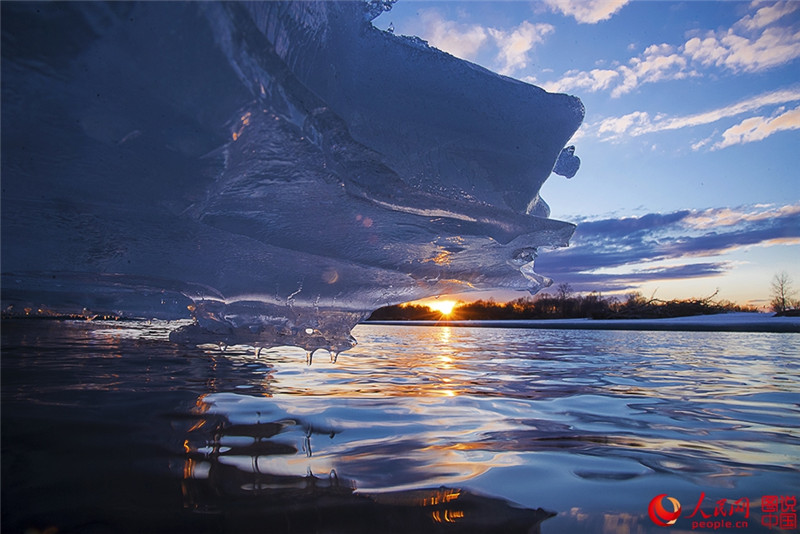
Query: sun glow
445,307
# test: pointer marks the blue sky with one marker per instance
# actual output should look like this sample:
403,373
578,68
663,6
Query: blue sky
689,181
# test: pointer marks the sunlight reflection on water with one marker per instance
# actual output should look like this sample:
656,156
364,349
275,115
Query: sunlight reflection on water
588,424
425,406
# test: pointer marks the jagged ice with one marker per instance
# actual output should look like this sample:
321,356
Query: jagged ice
277,170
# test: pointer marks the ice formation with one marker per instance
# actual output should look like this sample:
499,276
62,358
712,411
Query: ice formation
277,170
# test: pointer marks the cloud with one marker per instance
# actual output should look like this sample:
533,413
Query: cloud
587,11
758,128
617,253
631,123
617,282
766,15
712,218
658,62
515,45
738,53
461,40
593,80
468,40
755,43
782,96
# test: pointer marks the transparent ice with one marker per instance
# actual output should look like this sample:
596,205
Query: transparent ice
276,170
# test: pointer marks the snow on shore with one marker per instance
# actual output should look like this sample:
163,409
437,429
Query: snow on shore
724,322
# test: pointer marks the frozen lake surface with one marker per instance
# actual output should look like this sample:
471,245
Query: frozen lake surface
109,427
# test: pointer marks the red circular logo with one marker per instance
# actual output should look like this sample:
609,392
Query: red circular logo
659,515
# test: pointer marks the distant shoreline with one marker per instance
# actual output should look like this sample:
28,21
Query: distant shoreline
726,322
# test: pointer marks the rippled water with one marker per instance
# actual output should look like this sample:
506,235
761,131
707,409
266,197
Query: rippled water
109,427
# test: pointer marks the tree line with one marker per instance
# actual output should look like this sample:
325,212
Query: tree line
564,304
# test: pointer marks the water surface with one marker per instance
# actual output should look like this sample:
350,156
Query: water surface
106,426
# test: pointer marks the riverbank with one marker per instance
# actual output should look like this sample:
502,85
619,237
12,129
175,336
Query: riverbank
724,322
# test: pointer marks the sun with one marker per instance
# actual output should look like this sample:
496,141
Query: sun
445,307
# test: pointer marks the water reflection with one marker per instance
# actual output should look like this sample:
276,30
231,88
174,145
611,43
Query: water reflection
385,445
693,407
448,406
594,422
253,475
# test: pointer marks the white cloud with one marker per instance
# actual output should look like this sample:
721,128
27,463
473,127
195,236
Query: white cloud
629,81
773,98
593,80
640,122
700,144
753,44
467,40
737,53
587,11
515,45
766,15
706,51
658,62
613,127
758,128
461,40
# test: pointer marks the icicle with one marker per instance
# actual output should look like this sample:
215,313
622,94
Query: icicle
307,444
334,356
309,356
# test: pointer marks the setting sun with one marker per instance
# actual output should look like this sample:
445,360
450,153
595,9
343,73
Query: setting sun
445,307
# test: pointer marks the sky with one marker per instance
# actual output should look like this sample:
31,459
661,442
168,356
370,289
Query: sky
689,180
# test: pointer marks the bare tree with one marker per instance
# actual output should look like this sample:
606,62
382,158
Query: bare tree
564,296
782,292
563,291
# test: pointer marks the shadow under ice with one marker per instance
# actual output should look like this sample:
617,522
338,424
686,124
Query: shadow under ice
228,482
